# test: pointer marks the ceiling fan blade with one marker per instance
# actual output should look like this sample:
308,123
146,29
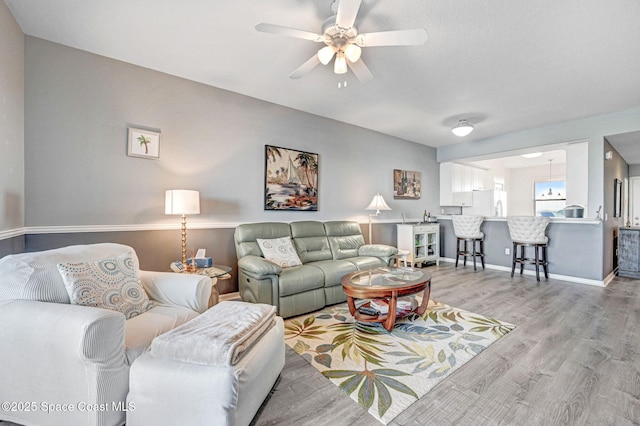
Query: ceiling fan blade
305,68
393,38
361,71
289,32
347,12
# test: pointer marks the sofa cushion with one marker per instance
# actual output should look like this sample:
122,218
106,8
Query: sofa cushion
142,329
334,270
110,283
299,279
345,238
311,241
279,251
35,276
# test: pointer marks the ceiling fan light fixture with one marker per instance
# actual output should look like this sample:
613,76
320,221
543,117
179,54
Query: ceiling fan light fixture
340,66
463,128
353,52
326,54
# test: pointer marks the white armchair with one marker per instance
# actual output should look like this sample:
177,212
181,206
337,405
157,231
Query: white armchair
69,364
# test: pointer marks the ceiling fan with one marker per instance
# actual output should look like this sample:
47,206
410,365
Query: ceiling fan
343,41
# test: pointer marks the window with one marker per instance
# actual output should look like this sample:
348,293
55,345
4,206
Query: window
550,197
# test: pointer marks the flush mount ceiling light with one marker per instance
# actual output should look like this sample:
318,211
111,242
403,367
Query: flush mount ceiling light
463,128
532,155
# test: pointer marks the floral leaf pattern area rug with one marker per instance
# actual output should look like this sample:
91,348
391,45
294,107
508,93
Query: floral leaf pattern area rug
386,372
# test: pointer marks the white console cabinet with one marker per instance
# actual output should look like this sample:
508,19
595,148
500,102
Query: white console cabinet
422,241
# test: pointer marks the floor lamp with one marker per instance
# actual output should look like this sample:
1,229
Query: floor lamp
182,202
376,204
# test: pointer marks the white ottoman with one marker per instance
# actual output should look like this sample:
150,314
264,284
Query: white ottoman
168,392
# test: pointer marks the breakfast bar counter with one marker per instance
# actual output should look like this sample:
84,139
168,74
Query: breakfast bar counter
573,251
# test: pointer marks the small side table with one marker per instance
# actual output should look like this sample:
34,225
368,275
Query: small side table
401,256
214,272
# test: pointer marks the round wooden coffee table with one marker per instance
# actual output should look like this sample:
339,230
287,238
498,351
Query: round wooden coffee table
386,283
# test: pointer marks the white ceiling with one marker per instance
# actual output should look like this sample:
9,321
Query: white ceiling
507,65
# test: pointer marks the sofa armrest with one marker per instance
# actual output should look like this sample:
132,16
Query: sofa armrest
45,345
378,250
189,290
258,267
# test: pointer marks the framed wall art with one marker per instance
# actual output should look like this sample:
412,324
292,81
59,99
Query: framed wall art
143,143
617,198
291,179
406,184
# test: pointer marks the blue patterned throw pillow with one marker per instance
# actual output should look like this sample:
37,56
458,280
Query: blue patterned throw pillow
111,283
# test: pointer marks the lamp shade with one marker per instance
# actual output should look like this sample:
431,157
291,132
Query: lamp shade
353,52
463,128
181,201
326,54
378,204
340,64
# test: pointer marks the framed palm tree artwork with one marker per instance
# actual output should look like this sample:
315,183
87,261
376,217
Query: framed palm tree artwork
143,143
291,179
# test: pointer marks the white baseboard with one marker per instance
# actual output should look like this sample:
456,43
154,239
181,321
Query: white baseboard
10,233
596,283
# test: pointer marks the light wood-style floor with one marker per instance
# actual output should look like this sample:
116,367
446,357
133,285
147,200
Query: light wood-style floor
574,359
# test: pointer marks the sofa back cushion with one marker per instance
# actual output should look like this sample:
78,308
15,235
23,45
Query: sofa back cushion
345,238
35,276
311,241
246,235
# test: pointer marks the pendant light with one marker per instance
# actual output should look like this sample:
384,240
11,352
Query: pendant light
550,190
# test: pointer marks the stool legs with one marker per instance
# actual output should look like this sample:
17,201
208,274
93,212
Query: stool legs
464,256
473,248
465,251
539,259
513,258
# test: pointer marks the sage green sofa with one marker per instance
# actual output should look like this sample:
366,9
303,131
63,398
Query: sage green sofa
328,251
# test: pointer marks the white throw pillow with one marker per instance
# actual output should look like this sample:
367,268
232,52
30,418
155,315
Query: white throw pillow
279,251
111,283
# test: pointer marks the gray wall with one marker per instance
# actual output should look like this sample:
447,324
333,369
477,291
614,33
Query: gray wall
78,107
634,170
616,168
570,250
11,122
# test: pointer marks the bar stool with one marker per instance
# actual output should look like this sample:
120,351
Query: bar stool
467,229
529,231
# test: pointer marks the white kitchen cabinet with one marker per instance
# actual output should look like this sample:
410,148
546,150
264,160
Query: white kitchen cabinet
457,181
422,241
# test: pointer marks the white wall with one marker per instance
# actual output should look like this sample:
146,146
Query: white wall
11,122
77,172
578,176
520,184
